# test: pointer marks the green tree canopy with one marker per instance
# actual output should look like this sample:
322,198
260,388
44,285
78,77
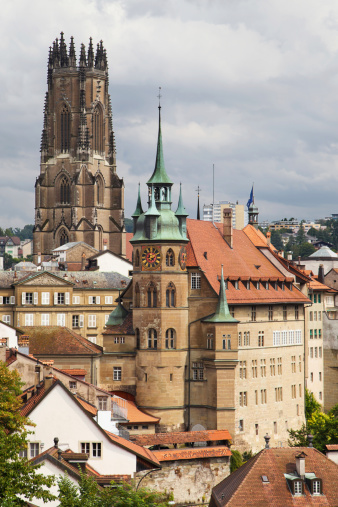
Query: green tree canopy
17,477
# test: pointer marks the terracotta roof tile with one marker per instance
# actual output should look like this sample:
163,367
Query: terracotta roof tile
257,237
182,437
332,447
243,260
87,406
134,414
57,340
315,285
126,327
142,452
35,398
75,372
245,485
192,453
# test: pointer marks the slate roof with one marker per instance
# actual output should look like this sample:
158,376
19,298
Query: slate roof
242,262
193,453
324,251
245,485
57,340
182,437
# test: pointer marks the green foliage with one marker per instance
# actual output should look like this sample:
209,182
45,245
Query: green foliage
128,223
323,427
300,236
276,240
17,477
236,460
118,495
247,455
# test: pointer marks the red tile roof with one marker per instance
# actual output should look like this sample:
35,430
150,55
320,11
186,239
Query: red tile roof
192,453
87,406
129,246
243,260
332,447
75,372
38,394
182,437
245,485
57,340
134,414
126,327
257,237
142,452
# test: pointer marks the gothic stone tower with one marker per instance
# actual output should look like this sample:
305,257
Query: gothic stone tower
160,300
78,195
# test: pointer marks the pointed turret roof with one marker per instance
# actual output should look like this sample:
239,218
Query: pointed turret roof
117,316
181,211
139,209
222,313
152,210
159,175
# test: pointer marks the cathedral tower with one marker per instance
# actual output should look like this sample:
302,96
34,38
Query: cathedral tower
160,300
78,195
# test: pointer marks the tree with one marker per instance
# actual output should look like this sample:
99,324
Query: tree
300,236
276,240
236,460
17,476
311,404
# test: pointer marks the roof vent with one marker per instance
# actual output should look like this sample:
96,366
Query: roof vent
265,479
206,255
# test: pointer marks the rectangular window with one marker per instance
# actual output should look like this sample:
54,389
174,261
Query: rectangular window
315,333
29,319
314,315
291,337
285,312
300,390
311,333
96,450
23,453
102,402
61,319
210,343
197,371
311,316
232,311
279,366
45,298
316,487
240,339
72,384
76,300
108,300
320,375
28,298
254,368
34,449
253,313
284,337
270,313
311,377
45,319
293,364
260,338
241,425
296,312
319,333
256,397
60,298
117,373
263,368
320,351
85,448
319,298
297,487
6,319
311,352
75,321
320,396
319,315
195,281
272,367
263,396
315,298
276,338
298,337
91,320
316,352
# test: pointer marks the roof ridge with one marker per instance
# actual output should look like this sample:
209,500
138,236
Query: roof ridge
83,340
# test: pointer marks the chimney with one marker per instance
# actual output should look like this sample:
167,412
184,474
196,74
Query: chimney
83,261
227,226
321,273
300,464
37,375
289,255
268,238
39,257
48,382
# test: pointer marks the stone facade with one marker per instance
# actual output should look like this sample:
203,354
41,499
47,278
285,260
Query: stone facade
78,195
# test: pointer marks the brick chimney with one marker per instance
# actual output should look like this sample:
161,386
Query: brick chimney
321,273
48,381
300,464
227,226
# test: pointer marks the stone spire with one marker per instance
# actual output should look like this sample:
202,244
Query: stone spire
90,53
222,313
83,58
72,55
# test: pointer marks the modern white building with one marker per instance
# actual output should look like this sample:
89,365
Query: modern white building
239,218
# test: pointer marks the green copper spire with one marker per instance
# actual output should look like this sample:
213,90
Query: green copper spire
181,211
159,175
139,209
222,313
117,316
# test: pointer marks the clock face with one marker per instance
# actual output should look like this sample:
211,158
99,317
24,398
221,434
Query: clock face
151,257
183,257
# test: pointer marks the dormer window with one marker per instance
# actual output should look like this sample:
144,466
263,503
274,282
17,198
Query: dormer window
316,487
297,487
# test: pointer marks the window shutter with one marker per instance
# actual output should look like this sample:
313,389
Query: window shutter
67,298
90,300
23,298
1,300
55,298
98,299
36,298
12,300
81,320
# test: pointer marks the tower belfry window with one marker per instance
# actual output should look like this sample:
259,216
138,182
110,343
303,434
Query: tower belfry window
63,238
64,129
152,296
64,191
98,130
170,295
170,258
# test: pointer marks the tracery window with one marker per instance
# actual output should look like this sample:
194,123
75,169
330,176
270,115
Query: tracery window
137,333
98,130
137,258
170,339
170,295
170,258
137,296
152,296
64,191
63,238
64,129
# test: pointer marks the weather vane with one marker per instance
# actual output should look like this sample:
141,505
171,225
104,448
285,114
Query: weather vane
159,96
198,190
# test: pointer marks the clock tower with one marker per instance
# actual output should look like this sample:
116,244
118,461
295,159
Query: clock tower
160,300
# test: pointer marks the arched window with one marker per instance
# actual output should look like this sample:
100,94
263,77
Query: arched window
170,295
170,339
64,129
63,238
152,338
137,296
98,130
137,258
170,258
137,333
152,296
64,191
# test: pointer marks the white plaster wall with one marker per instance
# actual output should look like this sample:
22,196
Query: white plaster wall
7,332
108,262
58,415
48,468
333,456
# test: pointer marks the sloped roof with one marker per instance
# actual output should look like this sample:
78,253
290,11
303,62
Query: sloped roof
142,452
324,251
126,327
75,372
243,262
57,340
134,414
315,285
182,437
108,252
245,485
257,237
192,453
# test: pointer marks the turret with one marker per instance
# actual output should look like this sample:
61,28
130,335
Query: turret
222,313
181,214
138,211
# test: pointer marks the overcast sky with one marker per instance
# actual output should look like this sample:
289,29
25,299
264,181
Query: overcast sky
248,85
